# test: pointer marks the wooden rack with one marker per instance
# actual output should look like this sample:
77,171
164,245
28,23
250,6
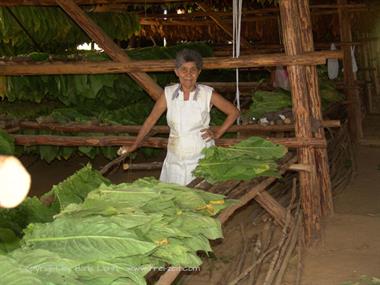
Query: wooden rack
300,59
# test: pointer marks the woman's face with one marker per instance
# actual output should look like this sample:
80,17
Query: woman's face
188,74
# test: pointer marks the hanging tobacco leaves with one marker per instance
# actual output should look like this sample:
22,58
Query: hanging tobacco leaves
246,160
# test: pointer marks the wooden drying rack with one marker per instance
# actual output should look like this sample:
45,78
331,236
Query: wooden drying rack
244,191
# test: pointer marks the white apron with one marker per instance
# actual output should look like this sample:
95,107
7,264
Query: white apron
185,119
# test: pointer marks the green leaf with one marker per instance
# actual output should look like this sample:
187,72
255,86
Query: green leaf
48,266
76,187
177,255
11,273
92,239
7,145
48,152
8,240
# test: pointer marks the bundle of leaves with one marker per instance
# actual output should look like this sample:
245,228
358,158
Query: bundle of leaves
329,94
269,101
72,190
246,160
264,102
117,235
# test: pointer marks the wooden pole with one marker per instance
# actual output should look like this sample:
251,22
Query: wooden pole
353,108
309,190
372,65
369,83
85,2
11,3
154,142
321,158
78,127
112,49
85,67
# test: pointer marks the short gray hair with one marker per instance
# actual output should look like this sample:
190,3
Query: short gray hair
188,55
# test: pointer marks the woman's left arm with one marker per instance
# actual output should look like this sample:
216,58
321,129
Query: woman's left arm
226,107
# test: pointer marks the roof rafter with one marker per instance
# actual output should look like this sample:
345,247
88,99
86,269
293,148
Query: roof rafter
112,49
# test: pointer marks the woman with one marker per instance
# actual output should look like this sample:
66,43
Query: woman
188,106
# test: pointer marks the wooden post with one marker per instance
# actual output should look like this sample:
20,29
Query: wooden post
309,190
354,113
372,64
369,84
112,49
321,158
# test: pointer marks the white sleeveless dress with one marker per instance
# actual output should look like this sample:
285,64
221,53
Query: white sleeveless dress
185,119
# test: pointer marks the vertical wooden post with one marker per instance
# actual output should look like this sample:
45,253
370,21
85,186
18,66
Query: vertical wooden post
354,113
372,64
321,158
310,198
369,84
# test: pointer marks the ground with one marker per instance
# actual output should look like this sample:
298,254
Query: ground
351,237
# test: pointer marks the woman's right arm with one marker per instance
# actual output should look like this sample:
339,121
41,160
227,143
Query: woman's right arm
158,109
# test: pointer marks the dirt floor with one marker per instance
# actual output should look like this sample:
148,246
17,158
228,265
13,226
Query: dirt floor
351,238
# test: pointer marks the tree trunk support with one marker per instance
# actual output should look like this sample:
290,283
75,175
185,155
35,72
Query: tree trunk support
321,158
309,185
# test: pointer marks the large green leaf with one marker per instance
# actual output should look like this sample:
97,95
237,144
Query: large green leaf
48,266
106,272
177,255
125,193
76,187
11,273
92,239
196,224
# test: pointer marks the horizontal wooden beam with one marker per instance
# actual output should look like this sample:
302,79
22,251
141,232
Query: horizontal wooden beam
77,127
11,3
28,140
246,61
264,12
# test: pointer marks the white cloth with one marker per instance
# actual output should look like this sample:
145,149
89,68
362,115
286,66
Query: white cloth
332,65
186,119
281,79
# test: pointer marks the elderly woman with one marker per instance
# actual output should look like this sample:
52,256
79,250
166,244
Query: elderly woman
188,106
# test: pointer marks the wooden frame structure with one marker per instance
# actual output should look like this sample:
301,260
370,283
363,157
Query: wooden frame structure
299,56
